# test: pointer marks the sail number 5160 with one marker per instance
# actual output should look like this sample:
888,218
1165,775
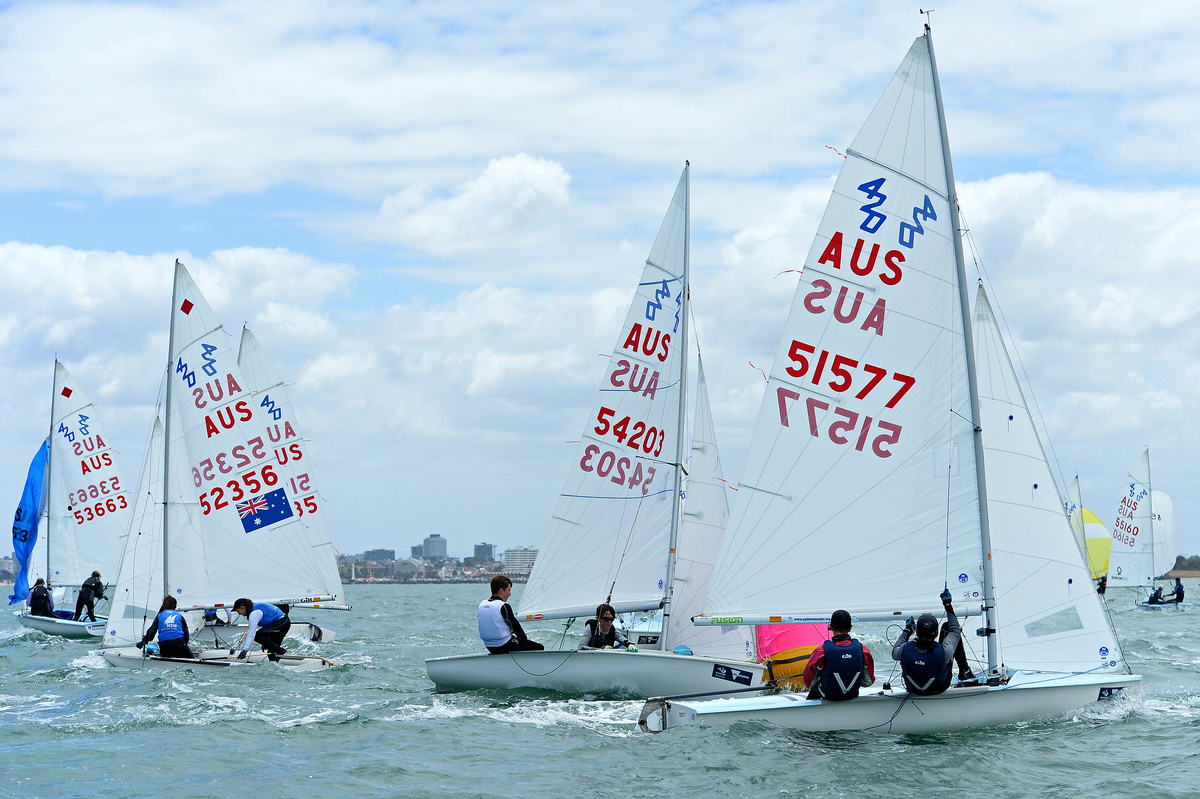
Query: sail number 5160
839,428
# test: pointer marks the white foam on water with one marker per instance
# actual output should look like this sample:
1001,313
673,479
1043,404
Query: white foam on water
617,719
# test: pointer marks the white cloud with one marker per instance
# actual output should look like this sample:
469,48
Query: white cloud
488,209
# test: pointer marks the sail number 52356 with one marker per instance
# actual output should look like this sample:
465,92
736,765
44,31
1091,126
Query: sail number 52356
840,427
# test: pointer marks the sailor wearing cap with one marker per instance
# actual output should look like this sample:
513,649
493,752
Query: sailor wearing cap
925,662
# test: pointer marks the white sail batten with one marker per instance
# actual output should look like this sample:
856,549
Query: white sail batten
1049,616
88,508
862,460
1143,535
314,546
610,532
705,514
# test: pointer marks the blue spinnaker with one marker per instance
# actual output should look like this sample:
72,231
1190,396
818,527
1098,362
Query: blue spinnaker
25,522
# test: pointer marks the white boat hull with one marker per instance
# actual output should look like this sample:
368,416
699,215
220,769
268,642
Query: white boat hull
605,671
1026,697
64,627
130,657
1180,606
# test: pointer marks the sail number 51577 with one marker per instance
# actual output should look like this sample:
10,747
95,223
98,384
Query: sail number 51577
838,430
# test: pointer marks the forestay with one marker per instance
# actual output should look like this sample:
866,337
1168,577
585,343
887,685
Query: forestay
88,507
860,487
269,393
706,512
611,527
1049,616
1143,536
241,485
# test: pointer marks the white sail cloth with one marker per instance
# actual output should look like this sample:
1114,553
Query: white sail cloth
88,510
705,514
1143,535
1048,614
610,532
861,469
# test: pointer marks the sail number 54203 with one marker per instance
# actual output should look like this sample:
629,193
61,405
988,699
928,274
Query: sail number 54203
840,427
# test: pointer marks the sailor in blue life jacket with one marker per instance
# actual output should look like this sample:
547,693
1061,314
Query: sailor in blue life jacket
925,662
1157,597
267,626
599,633
841,666
39,600
1178,591
172,631
498,625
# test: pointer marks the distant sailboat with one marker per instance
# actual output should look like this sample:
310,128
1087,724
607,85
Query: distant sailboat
864,486
619,533
1143,536
219,511
1090,533
87,512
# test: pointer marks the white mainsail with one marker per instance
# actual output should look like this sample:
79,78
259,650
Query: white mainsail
1073,505
269,394
139,587
88,508
860,486
1143,535
610,533
1050,617
706,512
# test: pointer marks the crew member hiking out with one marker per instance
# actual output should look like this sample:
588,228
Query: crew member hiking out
841,666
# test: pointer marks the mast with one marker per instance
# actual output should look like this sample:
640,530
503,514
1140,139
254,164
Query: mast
1149,498
683,355
985,535
167,430
50,470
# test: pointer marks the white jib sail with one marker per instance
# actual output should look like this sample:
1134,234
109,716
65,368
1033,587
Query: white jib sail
139,587
89,503
611,528
706,512
269,394
1162,522
1073,505
859,489
234,483
1049,616
1137,558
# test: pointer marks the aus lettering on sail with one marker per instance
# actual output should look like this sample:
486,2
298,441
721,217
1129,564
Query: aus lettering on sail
845,379
1124,530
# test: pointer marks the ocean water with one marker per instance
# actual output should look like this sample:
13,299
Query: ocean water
71,725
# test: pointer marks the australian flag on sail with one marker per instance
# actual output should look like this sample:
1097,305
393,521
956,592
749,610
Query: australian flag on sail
264,510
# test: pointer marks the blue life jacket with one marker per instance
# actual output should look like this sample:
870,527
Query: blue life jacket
1179,592
841,676
271,614
170,625
924,674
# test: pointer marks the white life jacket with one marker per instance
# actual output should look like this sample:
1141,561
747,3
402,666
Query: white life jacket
493,629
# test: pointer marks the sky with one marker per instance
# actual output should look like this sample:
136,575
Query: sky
433,215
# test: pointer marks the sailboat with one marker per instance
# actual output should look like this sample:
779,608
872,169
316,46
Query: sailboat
225,505
620,532
1143,537
1090,532
864,487
86,507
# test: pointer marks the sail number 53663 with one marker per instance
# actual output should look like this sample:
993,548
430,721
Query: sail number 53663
839,428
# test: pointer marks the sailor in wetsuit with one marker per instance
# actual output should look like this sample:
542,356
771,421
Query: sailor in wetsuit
171,629
268,626
1157,597
599,632
498,625
1178,592
39,600
925,662
91,592
841,666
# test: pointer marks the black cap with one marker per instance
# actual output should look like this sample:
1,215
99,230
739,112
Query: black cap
840,620
927,625
243,603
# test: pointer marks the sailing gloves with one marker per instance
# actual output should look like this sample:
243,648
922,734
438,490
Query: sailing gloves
242,655
910,625
947,600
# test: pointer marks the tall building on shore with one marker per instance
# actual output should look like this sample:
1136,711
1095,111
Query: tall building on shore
434,547
520,560
486,551
379,555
